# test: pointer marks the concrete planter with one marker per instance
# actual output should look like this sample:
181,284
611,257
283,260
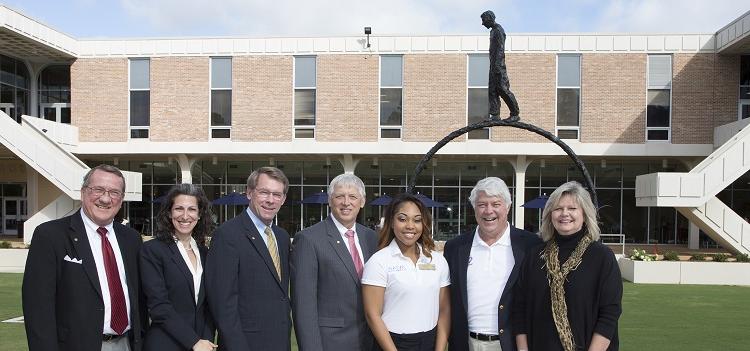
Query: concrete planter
13,260
685,272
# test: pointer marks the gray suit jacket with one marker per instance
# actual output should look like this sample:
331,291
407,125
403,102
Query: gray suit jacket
326,293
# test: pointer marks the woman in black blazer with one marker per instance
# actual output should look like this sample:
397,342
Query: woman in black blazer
172,273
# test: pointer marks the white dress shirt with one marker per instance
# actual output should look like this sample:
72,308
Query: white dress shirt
261,227
197,272
96,249
342,232
412,291
489,269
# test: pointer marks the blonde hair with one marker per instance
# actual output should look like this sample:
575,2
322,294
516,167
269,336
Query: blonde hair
582,198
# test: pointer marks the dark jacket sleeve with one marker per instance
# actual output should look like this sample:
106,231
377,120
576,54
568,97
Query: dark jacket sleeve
518,314
38,292
304,267
610,297
160,306
221,273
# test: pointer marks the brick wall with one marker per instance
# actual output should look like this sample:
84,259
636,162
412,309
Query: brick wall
434,96
613,103
705,93
179,98
99,98
348,95
262,88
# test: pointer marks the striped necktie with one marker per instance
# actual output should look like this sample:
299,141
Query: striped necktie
273,250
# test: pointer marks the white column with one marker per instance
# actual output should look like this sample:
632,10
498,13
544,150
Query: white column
185,164
349,163
520,166
32,191
693,237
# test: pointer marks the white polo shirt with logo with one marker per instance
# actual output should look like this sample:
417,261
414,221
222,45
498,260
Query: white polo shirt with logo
412,291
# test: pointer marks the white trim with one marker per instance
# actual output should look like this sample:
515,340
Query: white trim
395,147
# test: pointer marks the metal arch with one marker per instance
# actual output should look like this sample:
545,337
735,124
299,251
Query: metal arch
501,123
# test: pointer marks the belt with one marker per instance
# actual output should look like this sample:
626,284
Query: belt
484,337
112,337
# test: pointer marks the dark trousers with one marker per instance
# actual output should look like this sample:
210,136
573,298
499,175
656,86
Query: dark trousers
424,341
499,87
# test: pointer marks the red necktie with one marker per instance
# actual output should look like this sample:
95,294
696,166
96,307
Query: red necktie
354,252
119,319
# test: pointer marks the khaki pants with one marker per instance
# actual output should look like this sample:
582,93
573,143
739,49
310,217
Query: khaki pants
479,345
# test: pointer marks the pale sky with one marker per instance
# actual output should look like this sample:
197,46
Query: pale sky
293,18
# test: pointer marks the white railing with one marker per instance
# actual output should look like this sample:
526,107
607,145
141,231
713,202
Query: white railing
620,240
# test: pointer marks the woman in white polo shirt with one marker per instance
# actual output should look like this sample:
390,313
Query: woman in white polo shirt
405,284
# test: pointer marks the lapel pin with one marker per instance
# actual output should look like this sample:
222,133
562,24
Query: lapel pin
75,239
252,237
338,242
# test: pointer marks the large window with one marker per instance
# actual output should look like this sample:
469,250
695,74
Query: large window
391,95
744,109
221,97
14,87
659,97
477,100
54,94
568,96
304,96
140,98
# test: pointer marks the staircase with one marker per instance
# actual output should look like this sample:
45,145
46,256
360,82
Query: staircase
694,193
45,146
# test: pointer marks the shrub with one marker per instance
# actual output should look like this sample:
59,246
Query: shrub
4,245
719,257
640,255
671,256
698,257
742,257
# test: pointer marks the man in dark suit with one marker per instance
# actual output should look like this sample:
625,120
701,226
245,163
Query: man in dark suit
484,266
247,271
327,263
80,287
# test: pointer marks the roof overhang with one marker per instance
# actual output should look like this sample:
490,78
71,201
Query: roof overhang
734,38
27,39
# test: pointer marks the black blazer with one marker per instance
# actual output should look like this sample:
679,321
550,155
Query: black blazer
247,298
177,322
457,251
62,300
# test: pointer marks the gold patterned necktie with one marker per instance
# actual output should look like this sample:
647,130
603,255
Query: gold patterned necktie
273,250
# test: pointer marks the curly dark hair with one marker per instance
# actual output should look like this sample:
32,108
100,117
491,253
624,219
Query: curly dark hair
205,226
387,234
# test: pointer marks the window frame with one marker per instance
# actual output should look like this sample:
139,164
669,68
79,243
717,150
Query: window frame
295,88
649,88
470,87
211,89
558,87
381,127
131,127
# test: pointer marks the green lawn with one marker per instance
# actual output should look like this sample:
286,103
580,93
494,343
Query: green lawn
655,317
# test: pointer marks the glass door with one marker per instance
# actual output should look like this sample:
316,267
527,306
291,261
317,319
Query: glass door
14,213
56,112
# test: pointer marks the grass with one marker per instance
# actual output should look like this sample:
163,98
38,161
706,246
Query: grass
655,317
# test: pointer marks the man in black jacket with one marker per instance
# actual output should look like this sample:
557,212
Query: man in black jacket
484,265
81,286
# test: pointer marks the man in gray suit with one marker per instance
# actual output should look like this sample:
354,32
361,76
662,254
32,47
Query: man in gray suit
326,264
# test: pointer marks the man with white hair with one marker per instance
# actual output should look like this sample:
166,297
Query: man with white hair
484,265
327,263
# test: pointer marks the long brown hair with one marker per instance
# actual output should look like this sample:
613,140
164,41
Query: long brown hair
387,234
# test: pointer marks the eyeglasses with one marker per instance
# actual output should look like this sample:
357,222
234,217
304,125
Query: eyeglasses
99,191
263,193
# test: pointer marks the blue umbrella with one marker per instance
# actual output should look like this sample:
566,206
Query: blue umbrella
427,201
232,199
381,201
539,202
316,198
